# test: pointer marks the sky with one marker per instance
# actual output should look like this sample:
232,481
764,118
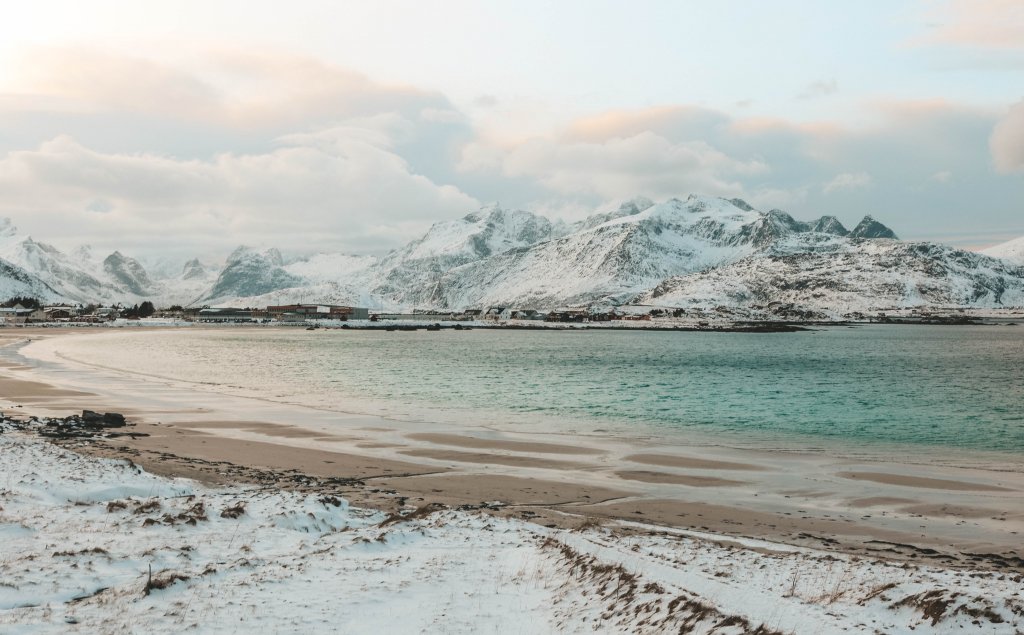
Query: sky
187,128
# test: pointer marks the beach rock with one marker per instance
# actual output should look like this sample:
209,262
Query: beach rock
113,420
107,420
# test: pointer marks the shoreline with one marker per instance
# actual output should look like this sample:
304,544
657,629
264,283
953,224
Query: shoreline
952,517
136,548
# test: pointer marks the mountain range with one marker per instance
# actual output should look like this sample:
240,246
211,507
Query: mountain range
701,252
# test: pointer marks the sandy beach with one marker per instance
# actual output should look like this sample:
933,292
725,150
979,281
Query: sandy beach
955,515
905,546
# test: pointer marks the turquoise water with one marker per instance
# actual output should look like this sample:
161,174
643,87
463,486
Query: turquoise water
942,387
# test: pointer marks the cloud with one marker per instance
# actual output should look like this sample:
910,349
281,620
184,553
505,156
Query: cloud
819,88
620,167
848,181
269,148
672,122
1007,140
238,147
982,24
239,99
352,193
809,169
942,176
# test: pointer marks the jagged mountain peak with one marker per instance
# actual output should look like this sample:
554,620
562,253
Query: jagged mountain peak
489,230
629,207
830,225
193,269
720,249
245,252
128,273
634,206
871,228
740,203
248,272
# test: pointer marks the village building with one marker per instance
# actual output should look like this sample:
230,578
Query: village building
303,312
422,317
225,315
16,314
106,313
62,313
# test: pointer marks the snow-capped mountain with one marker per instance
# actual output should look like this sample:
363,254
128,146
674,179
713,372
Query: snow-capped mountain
128,274
250,273
411,275
498,256
76,277
702,251
67,277
406,277
1012,250
633,251
15,282
848,277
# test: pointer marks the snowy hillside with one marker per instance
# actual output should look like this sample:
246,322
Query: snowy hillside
630,253
323,278
76,277
1012,250
698,251
404,277
853,276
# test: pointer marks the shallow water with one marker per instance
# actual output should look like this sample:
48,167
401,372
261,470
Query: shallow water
943,388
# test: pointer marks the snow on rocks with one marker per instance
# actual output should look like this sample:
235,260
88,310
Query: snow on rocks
98,545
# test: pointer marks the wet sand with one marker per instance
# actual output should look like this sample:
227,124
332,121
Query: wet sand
917,481
686,462
894,510
466,441
646,476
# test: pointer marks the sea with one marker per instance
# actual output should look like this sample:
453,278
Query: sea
936,390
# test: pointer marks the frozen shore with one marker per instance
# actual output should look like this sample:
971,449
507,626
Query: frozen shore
305,519
99,545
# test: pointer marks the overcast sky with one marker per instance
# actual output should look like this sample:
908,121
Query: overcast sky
190,127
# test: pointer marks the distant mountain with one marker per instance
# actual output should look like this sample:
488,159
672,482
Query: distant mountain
858,276
1012,250
128,274
16,282
630,253
251,273
699,252
76,277
194,270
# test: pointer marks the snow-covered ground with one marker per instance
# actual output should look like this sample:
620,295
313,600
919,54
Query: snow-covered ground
95,545
1012,251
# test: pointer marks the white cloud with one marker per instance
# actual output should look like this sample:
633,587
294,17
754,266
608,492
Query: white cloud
942,176
644,163
306,194
1007,140
848,181
768,198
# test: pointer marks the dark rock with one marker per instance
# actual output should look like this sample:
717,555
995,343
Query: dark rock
113,420
107,420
